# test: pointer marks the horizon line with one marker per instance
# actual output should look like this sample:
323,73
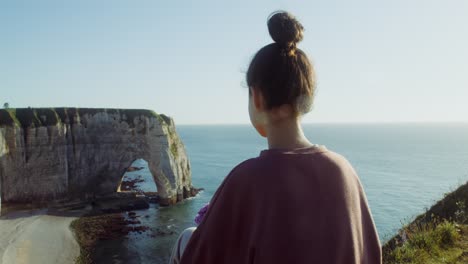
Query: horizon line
336,123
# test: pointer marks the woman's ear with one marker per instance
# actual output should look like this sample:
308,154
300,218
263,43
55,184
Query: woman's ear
258,100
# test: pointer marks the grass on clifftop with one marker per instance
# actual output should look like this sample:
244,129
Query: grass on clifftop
438,236
36,117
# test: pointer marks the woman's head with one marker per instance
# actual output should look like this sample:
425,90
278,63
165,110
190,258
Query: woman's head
280,76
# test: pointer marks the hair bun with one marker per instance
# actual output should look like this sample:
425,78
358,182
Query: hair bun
285,29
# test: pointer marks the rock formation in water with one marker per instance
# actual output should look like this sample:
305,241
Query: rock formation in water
60,153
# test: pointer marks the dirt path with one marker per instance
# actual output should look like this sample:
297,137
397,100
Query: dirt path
34,237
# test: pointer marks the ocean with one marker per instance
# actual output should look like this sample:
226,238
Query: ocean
404,169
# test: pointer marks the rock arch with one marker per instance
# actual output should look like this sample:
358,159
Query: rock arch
138,179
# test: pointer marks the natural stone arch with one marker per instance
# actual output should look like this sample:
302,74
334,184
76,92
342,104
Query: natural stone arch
138,179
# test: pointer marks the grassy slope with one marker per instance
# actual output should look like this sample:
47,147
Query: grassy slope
438,236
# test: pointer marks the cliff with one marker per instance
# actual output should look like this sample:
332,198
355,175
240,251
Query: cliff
55,153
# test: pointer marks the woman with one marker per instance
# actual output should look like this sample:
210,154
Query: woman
297,202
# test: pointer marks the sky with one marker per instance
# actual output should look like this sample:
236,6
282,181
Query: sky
376,61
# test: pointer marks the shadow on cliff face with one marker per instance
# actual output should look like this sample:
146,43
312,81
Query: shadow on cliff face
3,152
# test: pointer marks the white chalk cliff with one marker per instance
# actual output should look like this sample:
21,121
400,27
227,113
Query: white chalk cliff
55,153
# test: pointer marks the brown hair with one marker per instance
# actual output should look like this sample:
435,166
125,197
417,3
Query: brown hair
280,71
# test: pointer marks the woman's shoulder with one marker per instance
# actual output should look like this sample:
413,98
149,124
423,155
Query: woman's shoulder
339,159
247,172
315,154
272,158
246,167
336,157
275,162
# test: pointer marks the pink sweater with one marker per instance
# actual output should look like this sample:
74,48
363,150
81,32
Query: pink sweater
298,206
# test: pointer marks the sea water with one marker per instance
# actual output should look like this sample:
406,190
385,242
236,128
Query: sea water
404,169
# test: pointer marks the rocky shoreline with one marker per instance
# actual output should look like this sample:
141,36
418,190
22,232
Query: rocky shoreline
90,229
113,218
104,218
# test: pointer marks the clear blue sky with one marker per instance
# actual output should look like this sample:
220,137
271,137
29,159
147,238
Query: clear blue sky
376,61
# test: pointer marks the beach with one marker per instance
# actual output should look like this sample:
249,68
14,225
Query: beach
37,237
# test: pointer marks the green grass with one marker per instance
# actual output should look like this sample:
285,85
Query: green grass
7,117
443,243
174,150
35,117
438,236
174,141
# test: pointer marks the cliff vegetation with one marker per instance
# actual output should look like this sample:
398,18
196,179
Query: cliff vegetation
439,235
36,117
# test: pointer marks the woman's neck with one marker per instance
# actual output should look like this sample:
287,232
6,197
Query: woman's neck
286,134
